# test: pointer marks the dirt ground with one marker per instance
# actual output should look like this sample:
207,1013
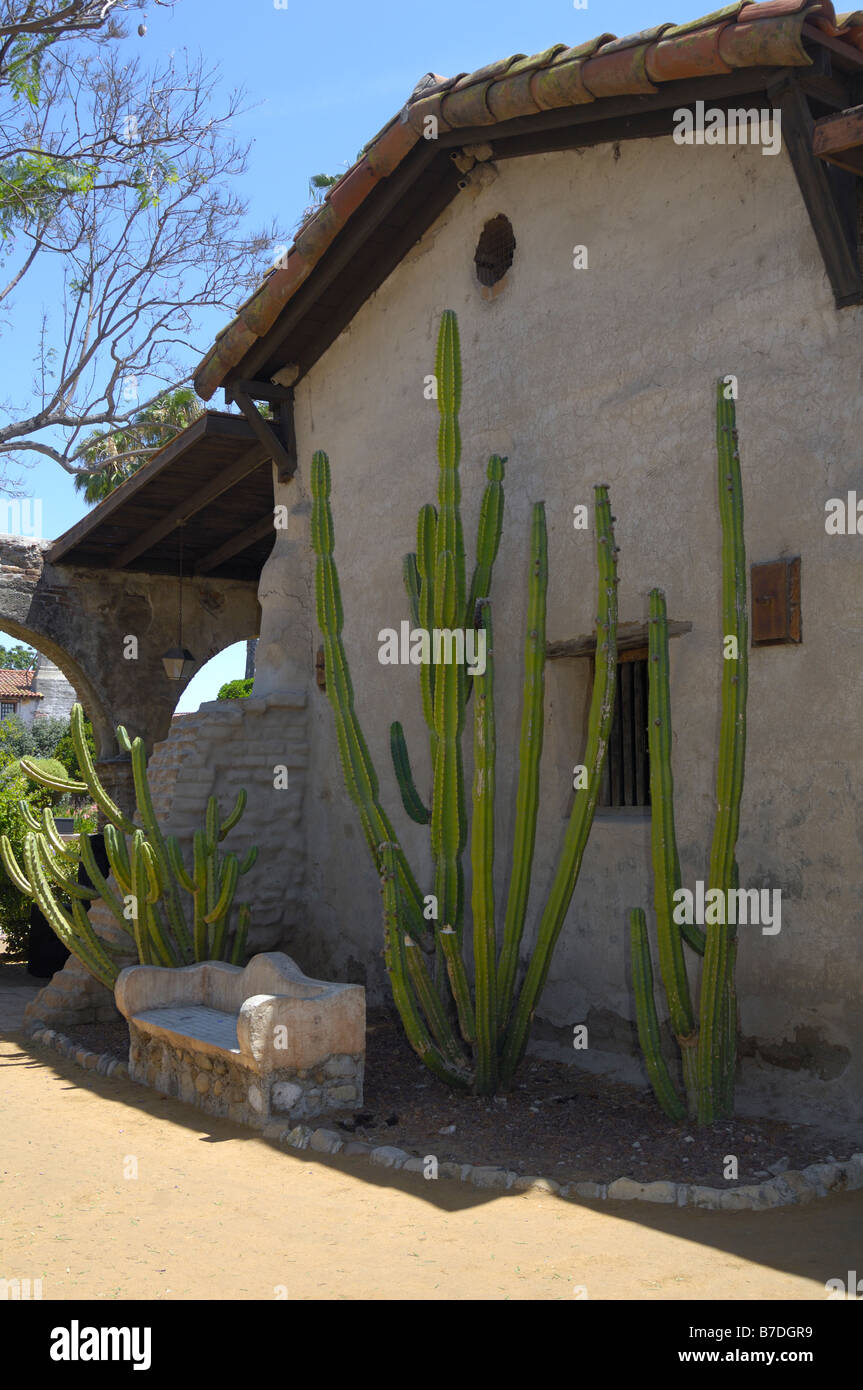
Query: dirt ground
558,1121
109,1192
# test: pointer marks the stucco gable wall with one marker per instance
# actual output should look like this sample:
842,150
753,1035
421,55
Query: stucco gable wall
701,262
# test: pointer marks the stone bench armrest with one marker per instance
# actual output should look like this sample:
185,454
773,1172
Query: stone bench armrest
288,1031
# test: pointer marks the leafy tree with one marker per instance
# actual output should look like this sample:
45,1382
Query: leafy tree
18,658
116,455
41,739
236,690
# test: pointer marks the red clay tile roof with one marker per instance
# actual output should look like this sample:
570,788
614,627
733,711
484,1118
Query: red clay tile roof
15,685
747,33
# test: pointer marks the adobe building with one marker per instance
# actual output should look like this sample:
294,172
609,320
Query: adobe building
605,270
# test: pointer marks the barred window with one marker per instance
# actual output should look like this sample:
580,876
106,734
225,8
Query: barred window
626,780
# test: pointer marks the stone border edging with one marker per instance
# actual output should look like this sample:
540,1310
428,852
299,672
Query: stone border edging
789,1189
104,1063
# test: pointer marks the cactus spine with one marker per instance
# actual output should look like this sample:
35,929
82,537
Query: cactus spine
476,1035
708,1044
148,870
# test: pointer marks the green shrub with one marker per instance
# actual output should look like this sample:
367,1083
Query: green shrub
37,740
14,906
51,766
236,690
64,750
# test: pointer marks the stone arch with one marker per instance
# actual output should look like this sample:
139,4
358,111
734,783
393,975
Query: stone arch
94,707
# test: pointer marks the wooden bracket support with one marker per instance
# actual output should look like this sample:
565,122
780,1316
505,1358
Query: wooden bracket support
277,436
830,196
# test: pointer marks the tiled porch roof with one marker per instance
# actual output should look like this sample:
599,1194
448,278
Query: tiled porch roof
15,685
745,34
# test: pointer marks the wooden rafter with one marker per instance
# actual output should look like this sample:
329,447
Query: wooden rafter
248,463
269,433
236,545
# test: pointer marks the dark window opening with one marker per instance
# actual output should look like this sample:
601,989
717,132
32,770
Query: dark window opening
626,780
495,250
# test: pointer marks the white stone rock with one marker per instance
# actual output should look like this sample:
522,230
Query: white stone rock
659,1192
299,1137
625,1190
537,1186
825,1177
854,1172
326,1141
708,1197
491,1177
285,1095
596,1191
386,1156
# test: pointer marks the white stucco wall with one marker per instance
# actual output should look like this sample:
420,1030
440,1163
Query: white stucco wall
701,262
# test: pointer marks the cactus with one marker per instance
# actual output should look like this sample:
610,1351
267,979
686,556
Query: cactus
147,868
708,1042
471,1037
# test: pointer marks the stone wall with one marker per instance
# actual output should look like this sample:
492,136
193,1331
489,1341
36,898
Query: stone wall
58,696
256,743
226,1087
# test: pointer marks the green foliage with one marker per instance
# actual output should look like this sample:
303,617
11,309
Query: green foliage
15,905
148,869
236,690
51,767
17,658
40,739
707,1038
64,749
114,456
483,1050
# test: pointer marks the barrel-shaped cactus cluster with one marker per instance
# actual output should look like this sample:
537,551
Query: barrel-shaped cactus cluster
707,1039
147,872
465,1003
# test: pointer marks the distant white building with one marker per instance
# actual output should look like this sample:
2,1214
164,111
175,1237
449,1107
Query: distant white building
43,692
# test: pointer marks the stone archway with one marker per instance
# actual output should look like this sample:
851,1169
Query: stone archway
107,631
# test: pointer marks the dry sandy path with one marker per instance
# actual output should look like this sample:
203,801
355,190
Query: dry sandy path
215,1213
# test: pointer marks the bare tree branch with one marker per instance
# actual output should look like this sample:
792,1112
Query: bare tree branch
126,216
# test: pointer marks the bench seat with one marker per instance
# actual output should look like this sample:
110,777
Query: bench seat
252,1044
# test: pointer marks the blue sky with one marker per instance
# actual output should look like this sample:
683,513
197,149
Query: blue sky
321,79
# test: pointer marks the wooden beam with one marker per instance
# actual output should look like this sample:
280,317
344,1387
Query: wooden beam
268,434
365,221
381,267
248,463
849,57
211,422
236,544
839,139
259,391
630,636
828,223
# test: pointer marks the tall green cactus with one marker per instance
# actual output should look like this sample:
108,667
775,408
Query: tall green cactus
147,867
475,1036
708,1043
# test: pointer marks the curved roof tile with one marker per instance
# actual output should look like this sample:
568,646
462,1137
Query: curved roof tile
748,33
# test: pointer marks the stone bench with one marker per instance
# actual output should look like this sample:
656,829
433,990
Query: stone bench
253,1044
